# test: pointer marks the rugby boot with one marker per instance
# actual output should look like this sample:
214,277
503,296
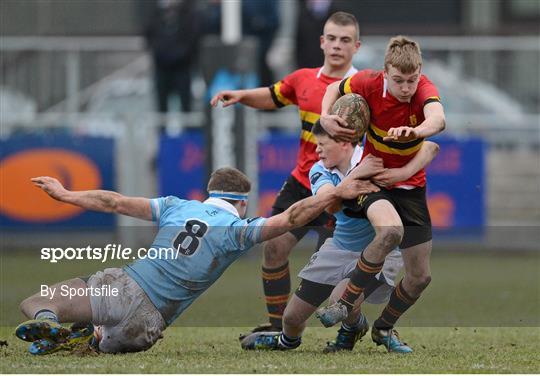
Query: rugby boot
332,314
266,327
33,330
346,339
390,339
264,341
80,333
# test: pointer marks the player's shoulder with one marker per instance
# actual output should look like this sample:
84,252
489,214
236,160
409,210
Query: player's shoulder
368,81
305,73
168,201
317,167
369,74
424,80
317,172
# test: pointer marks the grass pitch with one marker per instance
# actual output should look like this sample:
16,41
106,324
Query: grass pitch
480,315
216,350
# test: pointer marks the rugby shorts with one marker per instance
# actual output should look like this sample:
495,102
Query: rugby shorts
410,204
330,265
129,322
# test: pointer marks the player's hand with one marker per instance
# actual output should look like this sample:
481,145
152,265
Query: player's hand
51,186
401,134
368,167
226,97
390,176
335,126
351,188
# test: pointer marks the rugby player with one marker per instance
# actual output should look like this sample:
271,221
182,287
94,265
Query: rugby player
208,236
327,272
304,88
405,109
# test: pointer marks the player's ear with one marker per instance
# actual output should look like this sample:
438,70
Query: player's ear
321,40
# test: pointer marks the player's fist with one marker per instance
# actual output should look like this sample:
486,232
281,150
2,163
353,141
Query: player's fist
389,177
351,188
51,186
226,97
368,167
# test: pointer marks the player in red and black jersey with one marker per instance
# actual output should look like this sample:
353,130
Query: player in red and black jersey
304,88
405,109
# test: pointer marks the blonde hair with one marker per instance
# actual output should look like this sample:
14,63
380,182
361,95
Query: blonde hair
228,179
403,54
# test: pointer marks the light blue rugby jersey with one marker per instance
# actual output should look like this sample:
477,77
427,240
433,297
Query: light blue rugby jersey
209,236
351,234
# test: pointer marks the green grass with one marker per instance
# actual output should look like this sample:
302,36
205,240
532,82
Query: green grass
480,315
216,350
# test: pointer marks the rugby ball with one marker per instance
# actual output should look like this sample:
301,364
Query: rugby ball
355,110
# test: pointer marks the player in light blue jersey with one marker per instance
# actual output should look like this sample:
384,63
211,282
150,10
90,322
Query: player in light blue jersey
198,241
326,274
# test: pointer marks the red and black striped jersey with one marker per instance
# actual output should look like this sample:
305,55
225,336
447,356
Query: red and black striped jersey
304,88
387,112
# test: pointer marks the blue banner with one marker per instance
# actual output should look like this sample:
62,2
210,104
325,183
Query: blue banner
456,181
456,185
277,159
181,166
79,163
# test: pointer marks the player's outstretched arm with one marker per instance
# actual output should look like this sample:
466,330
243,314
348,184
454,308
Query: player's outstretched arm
434,123
333,124
259,98
96,200
423,158
363,186
306,210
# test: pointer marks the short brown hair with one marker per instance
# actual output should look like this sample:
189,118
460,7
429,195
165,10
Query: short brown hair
403,54
344,19
318,130
228,179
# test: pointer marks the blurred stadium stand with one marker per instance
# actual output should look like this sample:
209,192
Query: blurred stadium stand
83,65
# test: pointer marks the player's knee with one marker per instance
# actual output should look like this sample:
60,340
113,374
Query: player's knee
274,254
421,282
390,237
291,318
26,306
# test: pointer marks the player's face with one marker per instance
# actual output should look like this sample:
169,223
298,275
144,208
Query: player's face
330,152
402,86
339,44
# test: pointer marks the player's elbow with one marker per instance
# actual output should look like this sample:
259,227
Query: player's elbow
442,123
435,148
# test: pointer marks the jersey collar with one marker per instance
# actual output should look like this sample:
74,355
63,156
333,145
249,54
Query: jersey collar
356,157
352,70
222,204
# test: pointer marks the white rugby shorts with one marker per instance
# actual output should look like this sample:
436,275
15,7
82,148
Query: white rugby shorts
330,265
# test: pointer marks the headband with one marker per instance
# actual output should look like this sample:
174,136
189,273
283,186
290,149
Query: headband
229,195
